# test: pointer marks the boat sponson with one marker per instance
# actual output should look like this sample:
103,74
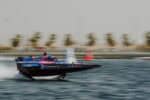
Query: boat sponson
53,69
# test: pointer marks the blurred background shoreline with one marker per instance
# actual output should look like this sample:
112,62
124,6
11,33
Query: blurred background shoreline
111,48
107,28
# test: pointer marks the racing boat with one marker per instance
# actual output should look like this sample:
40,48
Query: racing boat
31,68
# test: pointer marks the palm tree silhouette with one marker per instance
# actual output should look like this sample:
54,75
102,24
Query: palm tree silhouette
91,39
51,40
68,40
35,39
147,37
15,41
126,41
110,40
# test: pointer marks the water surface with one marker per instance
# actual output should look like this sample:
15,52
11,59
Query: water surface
118,79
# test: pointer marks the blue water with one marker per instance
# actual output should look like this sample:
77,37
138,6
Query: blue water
117,80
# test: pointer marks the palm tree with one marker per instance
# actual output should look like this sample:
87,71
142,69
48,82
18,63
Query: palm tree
126,41
68,40
15,41
110,40
91,39
147,37
35,39
51,40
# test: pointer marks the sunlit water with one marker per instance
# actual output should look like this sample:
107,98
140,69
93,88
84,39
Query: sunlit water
116,80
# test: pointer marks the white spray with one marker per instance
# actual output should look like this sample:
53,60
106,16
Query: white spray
70,56
8,69
7,72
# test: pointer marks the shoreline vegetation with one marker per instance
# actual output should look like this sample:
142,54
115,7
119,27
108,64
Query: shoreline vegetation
98,54
125,48
80,55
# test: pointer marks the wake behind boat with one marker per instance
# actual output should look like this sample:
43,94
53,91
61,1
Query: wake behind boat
37,67
143,58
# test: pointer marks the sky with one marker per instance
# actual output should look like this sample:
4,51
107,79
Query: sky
78,17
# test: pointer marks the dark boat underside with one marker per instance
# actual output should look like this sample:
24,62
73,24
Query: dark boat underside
52,69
